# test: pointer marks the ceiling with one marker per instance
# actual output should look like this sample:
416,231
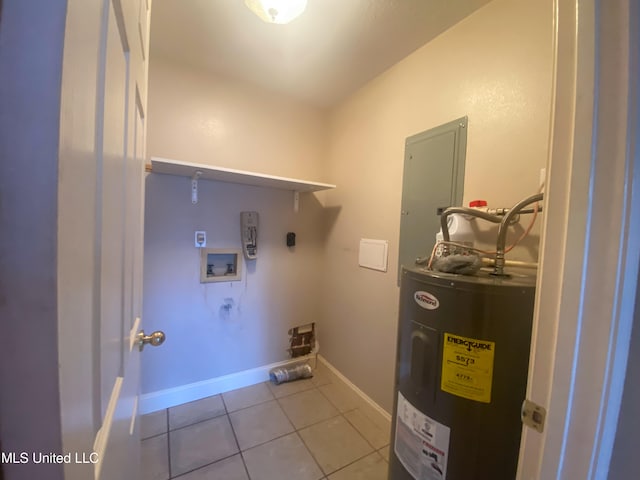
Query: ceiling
321,57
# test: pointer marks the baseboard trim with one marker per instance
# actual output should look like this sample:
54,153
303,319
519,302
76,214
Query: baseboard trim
153,401
359,392
170,397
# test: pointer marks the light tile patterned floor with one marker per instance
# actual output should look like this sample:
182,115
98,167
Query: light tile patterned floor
310,429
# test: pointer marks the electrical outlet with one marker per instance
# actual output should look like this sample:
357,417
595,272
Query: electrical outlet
201,239
543,176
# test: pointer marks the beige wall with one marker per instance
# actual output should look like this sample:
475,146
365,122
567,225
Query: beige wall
279,290
200,117
495,67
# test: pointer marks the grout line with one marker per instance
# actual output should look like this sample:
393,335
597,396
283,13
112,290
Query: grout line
206,465
166,416
355,461
224,404
198,422
235,437
285,412
165,431
153,436
332,402
311,454
311,424
327,474
358,430
318,422
380,452
295,430
244,464
350,463
249,406
264,443
169,429
233,430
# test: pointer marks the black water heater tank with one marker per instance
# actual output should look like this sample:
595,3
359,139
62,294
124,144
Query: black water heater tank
461,375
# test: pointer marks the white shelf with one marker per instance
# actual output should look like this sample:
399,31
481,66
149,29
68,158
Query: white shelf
221,174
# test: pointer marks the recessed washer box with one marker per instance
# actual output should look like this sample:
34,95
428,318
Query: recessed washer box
220,265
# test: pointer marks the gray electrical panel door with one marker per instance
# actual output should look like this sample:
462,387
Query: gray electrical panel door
433,177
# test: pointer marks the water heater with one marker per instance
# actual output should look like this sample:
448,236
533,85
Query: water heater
461,375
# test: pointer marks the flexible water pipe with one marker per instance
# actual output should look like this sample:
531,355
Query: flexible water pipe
502,231
466,211
495,218
490,262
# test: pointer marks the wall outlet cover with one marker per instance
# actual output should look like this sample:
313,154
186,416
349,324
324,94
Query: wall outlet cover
201,239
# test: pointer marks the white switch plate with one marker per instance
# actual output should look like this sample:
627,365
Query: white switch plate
201,239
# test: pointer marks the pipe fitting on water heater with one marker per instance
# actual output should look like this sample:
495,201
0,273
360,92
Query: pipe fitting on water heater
459,227
460,231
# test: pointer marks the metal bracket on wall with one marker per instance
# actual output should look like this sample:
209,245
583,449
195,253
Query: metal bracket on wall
194,187
296,201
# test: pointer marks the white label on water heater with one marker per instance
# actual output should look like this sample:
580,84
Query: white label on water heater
422,444
426,300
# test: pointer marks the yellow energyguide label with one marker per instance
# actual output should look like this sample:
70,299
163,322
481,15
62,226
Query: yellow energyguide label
467,367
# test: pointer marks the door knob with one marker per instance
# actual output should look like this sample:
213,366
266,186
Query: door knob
155,339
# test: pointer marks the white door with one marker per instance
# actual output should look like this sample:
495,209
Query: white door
101,189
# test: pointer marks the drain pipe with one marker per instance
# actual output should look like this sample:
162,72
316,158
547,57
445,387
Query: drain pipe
502,231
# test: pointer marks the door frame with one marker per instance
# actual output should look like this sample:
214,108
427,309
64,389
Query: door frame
587,281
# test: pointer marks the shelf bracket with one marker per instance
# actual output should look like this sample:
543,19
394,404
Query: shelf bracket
194,186
296,201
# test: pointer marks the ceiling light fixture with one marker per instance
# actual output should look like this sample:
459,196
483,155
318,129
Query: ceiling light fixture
277,11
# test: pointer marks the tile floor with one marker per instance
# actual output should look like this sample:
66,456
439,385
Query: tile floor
310,429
